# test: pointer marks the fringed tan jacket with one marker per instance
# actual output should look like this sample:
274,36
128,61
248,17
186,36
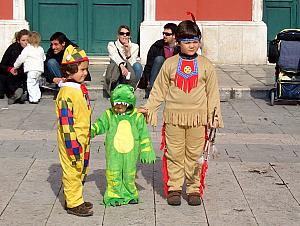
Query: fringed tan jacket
186,109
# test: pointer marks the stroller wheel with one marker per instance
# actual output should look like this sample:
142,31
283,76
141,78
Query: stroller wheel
272,97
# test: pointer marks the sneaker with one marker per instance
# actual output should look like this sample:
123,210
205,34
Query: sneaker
17,95
194,199
81,211
174,198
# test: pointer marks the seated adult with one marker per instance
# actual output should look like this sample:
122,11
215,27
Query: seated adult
158,53
59,42
12,81
124,66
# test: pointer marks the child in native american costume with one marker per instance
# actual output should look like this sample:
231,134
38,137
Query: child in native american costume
74,119
188,85
127,139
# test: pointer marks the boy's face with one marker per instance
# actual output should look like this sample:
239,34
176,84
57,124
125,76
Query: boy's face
120,108
57,47
189,48
82,72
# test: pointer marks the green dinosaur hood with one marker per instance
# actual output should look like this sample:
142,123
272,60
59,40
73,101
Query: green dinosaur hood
124,94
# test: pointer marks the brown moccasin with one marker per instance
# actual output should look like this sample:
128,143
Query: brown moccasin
81,211
194,199
174,198
87,205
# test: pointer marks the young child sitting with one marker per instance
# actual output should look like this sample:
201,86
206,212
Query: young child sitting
127,139
74,119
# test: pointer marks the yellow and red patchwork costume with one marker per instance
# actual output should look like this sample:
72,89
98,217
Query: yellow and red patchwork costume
73,136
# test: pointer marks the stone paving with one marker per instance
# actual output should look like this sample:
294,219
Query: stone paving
254,180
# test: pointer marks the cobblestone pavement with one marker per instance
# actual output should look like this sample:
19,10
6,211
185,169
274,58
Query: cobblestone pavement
254,181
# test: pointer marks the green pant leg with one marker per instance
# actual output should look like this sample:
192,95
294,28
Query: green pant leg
113,193
129,176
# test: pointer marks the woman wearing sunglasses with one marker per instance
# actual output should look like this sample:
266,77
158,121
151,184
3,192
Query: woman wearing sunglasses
123,55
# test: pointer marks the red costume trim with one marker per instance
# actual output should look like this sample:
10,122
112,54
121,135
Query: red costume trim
203,168
186,77
163,147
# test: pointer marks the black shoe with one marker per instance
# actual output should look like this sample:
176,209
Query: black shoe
55,95
2,96
147,92
23,98
33,102
133,201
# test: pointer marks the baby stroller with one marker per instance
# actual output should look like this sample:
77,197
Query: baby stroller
284,50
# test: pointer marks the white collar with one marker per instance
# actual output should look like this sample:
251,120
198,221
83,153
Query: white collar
69,84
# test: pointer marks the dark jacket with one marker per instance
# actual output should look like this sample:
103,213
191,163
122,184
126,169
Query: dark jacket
58,57
157,49
9,58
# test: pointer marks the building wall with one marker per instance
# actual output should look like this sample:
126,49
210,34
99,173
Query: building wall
12,19
6,9
205,10
232,30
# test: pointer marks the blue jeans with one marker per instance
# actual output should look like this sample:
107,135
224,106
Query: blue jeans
138,69
54,68
157,63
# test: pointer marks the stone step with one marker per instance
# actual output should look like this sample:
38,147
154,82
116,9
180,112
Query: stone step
227,90
99,60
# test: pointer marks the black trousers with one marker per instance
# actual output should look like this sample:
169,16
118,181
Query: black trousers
9,83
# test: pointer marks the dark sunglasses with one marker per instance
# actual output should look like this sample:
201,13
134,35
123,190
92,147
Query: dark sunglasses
167,34
124,33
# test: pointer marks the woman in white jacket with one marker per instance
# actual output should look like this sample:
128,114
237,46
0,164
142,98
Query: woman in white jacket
124,55
33,58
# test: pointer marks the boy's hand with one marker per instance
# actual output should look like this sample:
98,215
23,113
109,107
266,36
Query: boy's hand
77,164
144,111
215,124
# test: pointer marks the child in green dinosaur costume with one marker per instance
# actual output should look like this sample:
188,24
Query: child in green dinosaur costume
127,139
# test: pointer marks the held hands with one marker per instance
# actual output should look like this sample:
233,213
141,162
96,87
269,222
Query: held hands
13,71
144,111
214,124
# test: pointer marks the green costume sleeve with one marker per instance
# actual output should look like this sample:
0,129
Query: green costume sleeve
147,154
101,125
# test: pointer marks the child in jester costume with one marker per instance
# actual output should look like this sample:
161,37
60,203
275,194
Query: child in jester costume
73,111
127,139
